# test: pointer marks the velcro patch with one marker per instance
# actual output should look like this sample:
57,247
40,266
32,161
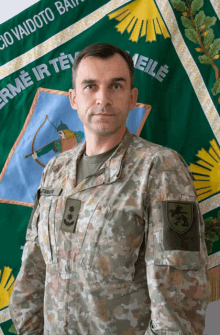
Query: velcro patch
70,216
181,226
36,202
51,191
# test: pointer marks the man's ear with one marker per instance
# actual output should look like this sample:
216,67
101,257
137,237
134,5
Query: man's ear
134,96
72,97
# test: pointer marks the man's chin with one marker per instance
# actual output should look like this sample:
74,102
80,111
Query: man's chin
105,131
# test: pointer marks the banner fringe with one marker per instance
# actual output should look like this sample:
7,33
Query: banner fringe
214,278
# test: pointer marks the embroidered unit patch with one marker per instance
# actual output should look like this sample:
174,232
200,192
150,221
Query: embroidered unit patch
180,216
181,226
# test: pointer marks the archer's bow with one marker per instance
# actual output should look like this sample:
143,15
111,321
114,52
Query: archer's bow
32,144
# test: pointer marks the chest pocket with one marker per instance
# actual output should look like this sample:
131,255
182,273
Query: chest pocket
46,226
58,247
112,242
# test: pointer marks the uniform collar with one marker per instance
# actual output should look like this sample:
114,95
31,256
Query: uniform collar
109,172
114,164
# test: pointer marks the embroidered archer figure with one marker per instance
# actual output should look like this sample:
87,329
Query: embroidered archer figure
68,140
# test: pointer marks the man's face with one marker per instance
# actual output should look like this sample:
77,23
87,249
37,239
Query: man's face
103,94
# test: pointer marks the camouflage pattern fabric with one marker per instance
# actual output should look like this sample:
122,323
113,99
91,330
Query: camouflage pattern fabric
110,272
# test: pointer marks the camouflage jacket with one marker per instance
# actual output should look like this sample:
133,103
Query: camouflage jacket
123,253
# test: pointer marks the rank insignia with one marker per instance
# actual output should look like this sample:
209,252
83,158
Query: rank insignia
70,216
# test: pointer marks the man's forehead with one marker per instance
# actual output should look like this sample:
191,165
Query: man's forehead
93,81
114,66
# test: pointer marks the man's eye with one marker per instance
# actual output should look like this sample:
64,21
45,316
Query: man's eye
89,87
116,86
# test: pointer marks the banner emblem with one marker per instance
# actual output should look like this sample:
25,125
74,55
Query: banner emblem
140,18
206,171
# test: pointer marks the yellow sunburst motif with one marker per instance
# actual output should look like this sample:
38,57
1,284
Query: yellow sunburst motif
140,18
6,286
206,172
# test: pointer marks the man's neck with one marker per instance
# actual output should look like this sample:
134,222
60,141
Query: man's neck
96,144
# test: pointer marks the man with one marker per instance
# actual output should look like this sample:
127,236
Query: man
115,244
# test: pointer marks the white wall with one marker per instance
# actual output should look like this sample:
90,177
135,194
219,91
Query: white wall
10,8
213,319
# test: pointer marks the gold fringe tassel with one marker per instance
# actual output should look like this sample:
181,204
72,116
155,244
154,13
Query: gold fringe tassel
214,278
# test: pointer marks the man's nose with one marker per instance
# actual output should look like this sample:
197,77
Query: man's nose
103,97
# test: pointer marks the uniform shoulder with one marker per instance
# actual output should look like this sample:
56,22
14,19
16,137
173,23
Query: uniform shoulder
144,145
62,159
167,158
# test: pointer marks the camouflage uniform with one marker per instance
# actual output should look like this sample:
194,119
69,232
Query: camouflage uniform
102,258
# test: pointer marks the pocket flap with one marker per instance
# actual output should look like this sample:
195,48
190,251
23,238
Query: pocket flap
179,259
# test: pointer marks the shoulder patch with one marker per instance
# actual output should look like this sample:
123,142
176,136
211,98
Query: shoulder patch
36,202
181,225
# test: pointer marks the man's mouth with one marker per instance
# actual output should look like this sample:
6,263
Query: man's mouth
101,114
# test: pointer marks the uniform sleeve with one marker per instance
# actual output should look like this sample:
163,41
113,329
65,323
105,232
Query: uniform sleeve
176,254
26,303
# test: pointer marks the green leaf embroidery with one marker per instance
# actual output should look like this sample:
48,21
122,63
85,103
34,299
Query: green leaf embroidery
208,223
196,5
212,231
216,88
197,30
192,35
215,47
200,19
211,236
205,60
209,39
209,246
209,21
210,219
215,238
187,22
12,330
179,5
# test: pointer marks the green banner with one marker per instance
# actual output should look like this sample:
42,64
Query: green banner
175,48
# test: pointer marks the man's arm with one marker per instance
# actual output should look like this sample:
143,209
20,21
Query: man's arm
26,303
176,255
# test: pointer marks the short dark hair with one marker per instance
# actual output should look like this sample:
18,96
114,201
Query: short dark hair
103,51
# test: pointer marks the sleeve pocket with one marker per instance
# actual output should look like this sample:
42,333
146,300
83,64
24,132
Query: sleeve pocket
175,237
